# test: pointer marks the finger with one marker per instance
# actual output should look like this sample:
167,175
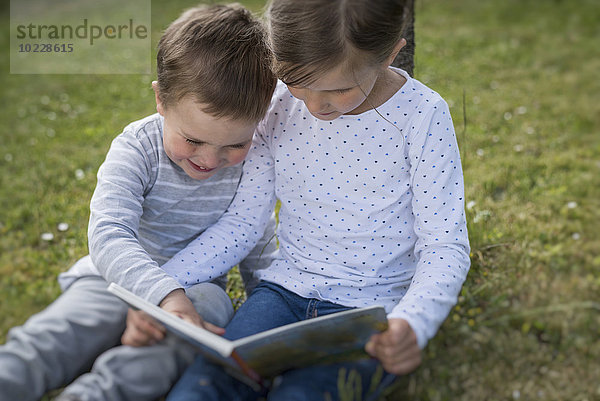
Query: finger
142,318
150,329
136,338
214,329
372,344
404,366
406,359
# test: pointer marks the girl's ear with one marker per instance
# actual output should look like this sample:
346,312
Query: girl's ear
159,105
401,43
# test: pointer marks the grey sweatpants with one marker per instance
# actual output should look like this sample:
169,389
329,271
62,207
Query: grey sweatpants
76,340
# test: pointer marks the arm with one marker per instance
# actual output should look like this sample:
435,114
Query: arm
228,241
116,209
260,258
441,249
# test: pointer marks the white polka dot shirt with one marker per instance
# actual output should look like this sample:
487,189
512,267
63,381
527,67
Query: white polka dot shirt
371,208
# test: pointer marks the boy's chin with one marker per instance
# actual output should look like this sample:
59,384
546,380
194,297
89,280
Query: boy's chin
201,176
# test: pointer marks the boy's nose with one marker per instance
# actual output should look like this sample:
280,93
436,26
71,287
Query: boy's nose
208,158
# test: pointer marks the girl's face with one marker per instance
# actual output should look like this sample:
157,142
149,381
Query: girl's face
338,92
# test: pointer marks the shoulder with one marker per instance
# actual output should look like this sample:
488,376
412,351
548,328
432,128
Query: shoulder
283,108
417,94
146,129
140,144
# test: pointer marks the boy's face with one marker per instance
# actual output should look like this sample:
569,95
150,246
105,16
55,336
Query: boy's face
200,143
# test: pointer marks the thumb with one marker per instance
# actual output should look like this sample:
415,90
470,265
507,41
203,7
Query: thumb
371,344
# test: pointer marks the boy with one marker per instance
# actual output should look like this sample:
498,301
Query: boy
165,179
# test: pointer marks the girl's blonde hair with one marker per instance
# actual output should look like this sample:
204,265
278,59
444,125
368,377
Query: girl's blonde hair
309,37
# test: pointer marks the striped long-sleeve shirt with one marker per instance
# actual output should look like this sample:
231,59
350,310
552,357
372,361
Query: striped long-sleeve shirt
145,209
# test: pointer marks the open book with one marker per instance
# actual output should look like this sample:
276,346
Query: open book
327,339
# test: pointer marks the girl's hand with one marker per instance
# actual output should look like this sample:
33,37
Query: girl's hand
180,305
396,348
141,330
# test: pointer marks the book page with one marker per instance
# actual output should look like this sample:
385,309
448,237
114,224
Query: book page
328,339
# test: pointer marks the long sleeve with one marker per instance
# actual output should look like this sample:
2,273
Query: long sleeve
237,232
116,209
442,248
260,257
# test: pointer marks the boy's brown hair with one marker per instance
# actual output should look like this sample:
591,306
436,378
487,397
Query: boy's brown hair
219,56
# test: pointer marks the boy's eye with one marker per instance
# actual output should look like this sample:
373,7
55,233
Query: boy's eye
193,142
342,90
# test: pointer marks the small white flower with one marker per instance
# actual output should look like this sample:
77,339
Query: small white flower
476,100
480,152
530,130
8,157
50,132
64,97
494,85
576,236
516,394
495,139
51,116
521,110
63,226
482,215
44,100
47,237
571,205
79,174
518,148
507,115
470,205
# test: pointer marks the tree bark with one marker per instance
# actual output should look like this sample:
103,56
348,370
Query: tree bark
406,57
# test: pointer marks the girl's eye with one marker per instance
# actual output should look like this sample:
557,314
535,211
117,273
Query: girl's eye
193,142
343,90
239,145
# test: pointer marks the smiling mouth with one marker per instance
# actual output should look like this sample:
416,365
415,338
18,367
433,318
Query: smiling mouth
199,168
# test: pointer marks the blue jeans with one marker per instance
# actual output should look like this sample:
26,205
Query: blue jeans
271,306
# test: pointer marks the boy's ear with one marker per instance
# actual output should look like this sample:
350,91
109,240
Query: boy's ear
401,43
159,106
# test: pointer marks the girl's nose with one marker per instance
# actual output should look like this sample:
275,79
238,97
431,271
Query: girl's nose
315,102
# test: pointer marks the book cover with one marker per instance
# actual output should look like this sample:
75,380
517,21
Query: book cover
322,340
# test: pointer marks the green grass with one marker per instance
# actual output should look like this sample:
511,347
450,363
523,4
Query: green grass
521,79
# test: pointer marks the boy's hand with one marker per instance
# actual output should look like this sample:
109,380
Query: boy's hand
396,348
141,330
180,305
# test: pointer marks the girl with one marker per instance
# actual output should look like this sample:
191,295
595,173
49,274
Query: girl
365,163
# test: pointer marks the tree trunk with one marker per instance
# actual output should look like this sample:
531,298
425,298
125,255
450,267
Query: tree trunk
406,57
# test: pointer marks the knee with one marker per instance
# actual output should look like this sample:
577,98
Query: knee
211,302
290,389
